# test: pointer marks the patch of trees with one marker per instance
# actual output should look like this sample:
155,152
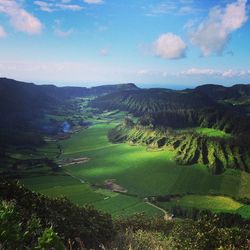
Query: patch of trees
72,223
222,219
207,233
32,221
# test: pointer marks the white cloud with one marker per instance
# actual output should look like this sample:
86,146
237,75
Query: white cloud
227,73
44,6
20,19
172,8
93,1
2,32
153,73
200,71
52,6
170,46
231,73
213,34
73,7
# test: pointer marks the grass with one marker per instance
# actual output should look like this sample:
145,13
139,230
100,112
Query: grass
141,172
211,132
122,205
61,185
146,173
244,211
202,202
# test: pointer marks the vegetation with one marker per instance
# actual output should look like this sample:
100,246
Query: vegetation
211,132
206,202
191,147
69,142
69,221
35,221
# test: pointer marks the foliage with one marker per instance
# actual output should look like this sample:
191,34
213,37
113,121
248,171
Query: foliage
140,240
49,239
68,220
206,233
16,232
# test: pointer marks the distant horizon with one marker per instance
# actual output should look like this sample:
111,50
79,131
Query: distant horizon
140,85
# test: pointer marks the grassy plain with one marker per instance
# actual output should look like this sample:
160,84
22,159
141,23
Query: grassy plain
143,173
207,202
213,203
146,173
61,185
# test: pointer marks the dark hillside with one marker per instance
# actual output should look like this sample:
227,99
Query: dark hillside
22,102
23,105
218,92
152,100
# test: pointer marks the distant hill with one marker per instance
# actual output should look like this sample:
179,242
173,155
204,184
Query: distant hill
22,102
218,92
153,100
9,86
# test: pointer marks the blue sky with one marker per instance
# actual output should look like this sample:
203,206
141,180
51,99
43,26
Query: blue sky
149,42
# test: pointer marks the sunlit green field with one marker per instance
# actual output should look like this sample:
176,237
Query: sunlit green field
211,132
143,173
146,173
208,202
214,203
61,185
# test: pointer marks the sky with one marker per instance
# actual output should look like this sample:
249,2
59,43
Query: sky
147,42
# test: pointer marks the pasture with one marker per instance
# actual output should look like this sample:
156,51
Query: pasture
61,185
211,132
145,173
142,173
207,202
213,203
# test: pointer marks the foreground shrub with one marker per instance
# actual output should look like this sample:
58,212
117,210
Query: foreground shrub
16,233
89,226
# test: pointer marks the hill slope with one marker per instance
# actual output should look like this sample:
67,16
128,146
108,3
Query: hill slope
152,100
21,102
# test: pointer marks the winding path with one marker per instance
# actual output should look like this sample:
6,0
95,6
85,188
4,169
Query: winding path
167,216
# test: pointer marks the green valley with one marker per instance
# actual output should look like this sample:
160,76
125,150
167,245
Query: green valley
138,156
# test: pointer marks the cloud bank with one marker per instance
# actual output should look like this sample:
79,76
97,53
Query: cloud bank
227,73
